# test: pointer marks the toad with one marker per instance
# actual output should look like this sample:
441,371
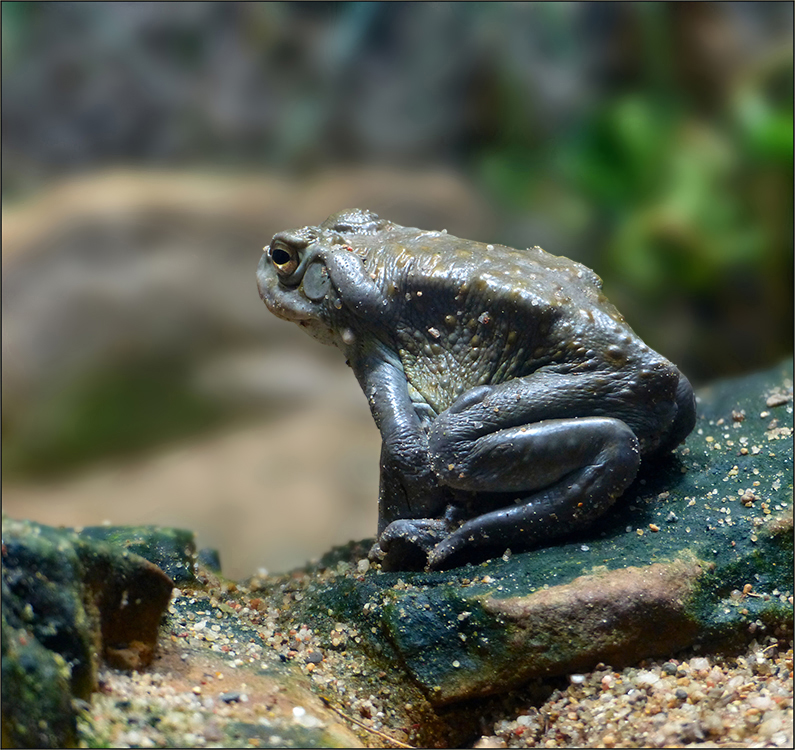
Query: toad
514,402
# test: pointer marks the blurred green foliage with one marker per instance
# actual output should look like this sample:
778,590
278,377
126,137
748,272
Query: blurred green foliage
685,210
120,409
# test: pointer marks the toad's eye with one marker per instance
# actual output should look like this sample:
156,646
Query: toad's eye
285,259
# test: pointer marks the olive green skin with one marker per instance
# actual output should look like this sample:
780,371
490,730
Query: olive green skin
513,400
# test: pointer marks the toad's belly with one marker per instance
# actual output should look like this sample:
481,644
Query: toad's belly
438,380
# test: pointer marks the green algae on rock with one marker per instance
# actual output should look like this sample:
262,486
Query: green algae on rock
172,550
700,551
79,600
37,695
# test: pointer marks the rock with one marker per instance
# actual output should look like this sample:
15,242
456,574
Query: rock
67,601
73,600
37,696
216,680
172,550
209,558
633,587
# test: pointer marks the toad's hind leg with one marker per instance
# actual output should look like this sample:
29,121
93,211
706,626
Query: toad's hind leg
564,472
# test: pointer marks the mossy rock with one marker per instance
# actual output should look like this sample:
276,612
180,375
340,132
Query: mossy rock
172,550
67,602
698,551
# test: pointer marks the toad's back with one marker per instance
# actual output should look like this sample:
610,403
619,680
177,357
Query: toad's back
467,313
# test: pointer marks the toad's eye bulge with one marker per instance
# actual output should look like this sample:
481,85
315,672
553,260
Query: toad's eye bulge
285,259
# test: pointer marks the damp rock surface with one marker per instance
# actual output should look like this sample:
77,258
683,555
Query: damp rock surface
699,551
68,603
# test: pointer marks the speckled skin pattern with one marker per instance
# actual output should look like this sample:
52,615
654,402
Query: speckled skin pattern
513,400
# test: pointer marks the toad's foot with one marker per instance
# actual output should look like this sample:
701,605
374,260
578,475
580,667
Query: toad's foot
405,543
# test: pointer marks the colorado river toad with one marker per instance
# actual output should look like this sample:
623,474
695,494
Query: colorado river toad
514,401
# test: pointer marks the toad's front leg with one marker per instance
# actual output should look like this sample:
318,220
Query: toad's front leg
411,499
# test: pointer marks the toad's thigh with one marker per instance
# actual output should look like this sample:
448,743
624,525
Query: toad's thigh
530,457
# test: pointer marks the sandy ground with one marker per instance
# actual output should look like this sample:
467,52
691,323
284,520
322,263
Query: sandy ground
218,646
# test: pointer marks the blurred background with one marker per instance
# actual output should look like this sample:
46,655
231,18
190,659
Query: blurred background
150,150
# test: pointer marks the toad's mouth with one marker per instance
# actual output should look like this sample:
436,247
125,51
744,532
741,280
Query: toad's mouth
287,303
284,311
